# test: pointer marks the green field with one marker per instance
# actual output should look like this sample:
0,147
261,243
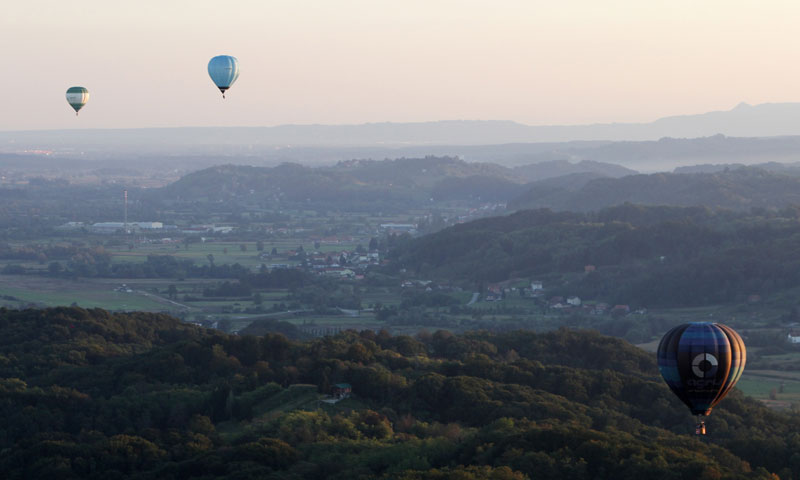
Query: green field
57,292
778,389
224,252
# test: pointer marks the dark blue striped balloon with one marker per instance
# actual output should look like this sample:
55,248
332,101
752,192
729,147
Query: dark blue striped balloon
701,362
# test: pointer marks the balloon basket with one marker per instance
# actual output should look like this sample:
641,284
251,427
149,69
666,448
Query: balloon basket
700,428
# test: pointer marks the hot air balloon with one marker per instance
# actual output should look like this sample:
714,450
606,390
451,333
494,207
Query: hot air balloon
224,70
701,362
77,97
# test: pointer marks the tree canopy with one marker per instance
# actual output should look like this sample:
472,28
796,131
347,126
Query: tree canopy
89,394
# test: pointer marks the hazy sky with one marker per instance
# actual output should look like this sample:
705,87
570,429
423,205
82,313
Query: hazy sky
352,61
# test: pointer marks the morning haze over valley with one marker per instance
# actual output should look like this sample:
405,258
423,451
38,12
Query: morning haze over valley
448,240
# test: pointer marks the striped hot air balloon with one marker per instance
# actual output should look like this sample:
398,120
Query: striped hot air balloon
77,97
223,70
701,362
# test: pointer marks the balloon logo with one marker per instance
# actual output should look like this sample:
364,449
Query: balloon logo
223,70
704,365
77,97
701,362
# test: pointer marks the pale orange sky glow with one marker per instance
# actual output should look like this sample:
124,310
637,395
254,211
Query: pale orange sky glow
352,61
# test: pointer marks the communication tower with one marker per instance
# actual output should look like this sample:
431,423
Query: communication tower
125,224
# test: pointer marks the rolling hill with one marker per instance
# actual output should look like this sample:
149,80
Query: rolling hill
405,180
738,188
642,256
88,394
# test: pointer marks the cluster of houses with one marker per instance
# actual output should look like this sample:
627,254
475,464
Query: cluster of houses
498,291
397,228
342,264
116,227
111,228
284,230
574,304
429,286
338,264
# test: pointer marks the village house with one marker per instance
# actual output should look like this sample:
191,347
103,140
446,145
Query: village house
574,301
494,288
399,228
341,390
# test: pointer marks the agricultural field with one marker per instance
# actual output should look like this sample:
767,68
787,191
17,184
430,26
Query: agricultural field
19,291
776,388
222,252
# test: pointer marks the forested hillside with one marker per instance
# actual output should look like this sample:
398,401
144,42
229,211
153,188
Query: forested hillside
651,256
739,188
399,182
88,394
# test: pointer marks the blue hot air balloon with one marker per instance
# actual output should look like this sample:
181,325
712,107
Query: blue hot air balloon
224,70
701,362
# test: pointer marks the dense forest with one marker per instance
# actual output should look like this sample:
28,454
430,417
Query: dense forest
735,188
89,394
387,184
648,256
559,185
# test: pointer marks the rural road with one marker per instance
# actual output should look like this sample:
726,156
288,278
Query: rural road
163,300
475,296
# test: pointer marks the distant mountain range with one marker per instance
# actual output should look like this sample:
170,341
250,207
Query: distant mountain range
509,143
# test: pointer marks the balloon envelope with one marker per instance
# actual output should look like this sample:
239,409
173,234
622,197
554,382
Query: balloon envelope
223,70
701,362
77,97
